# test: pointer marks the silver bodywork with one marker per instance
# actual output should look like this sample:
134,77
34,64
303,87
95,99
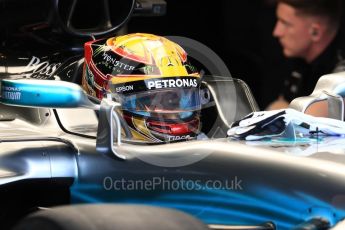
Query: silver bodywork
284,182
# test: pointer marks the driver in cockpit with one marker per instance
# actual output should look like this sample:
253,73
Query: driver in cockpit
153,80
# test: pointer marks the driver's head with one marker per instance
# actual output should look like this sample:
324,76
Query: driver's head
152,79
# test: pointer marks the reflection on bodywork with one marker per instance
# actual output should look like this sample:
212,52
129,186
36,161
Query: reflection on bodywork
255,205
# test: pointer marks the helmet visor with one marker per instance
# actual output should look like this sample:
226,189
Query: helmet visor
181,101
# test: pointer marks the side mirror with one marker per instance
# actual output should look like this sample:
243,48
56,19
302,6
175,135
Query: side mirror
61,94
327,98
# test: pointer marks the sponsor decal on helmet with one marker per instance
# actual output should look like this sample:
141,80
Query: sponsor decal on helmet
179,138
152,84
116,63
171,83
124,88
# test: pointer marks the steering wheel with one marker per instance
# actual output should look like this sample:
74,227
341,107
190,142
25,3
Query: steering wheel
93,17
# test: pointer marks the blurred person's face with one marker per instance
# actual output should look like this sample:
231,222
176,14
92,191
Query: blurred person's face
293,31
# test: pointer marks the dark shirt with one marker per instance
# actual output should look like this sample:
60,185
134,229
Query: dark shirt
304,76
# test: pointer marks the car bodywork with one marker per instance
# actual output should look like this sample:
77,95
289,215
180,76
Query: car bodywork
51,156
220,181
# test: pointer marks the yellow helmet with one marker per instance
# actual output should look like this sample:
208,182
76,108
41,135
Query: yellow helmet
153,80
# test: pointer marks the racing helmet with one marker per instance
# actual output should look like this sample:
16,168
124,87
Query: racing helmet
153,80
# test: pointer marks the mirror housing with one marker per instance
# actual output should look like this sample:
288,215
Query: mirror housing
61,94
43,93
327,98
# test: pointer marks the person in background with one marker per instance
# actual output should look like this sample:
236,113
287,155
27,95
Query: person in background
310,36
